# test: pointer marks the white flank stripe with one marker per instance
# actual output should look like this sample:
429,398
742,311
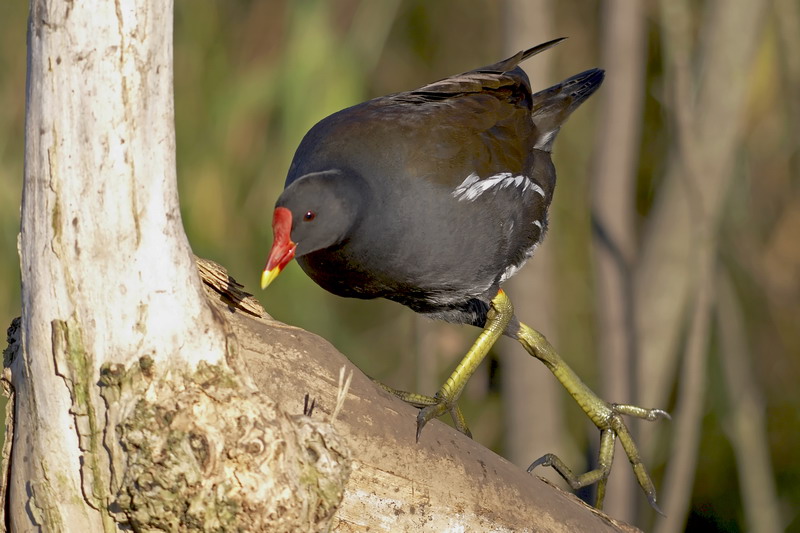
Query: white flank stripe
545,141
473,186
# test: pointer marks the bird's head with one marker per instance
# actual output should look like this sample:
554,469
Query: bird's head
314,212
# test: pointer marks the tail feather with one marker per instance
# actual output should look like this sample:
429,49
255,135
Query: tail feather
510,63
552,106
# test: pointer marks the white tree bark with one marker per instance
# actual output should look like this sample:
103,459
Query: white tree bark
102,249
125,411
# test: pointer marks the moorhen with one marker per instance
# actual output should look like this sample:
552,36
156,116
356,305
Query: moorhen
433,198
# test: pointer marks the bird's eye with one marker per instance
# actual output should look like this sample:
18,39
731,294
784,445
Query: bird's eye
309,216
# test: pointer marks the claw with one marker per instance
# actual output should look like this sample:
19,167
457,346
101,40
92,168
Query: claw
438,409
545,460
446,400
607,417
651,499
459,421
651,415
429,413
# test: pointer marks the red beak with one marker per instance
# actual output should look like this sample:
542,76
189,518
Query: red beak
282,246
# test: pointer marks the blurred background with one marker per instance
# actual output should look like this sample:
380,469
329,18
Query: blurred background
670,276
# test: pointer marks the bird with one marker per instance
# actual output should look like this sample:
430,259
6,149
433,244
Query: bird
433,198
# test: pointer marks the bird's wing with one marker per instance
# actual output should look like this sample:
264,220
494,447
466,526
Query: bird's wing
479,123
474,124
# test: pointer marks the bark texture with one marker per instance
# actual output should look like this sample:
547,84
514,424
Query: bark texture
201,452
106,268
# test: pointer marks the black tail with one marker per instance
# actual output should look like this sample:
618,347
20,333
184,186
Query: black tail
552,106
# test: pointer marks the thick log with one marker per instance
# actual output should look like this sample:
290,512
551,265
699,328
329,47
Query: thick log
444,482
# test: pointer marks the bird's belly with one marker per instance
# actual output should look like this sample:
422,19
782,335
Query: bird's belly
421,281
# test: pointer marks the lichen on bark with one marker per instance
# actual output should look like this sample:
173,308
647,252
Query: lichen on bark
204,452
75,364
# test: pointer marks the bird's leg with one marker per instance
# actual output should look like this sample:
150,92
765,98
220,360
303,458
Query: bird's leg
497,318
446,400
606,416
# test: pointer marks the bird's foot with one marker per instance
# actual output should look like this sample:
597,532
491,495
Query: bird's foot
609,432
430,407
606,416
435,410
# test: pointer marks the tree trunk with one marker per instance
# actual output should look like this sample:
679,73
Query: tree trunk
614,239
526,382
707,101
125,411
706,92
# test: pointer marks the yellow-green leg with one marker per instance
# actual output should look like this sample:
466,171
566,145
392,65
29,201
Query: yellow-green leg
446,400
606,416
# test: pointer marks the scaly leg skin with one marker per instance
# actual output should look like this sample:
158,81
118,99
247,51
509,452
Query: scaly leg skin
607,417
446,400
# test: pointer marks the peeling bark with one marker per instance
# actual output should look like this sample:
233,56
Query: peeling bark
185,451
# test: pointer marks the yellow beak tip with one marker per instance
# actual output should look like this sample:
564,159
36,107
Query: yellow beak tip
268,276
